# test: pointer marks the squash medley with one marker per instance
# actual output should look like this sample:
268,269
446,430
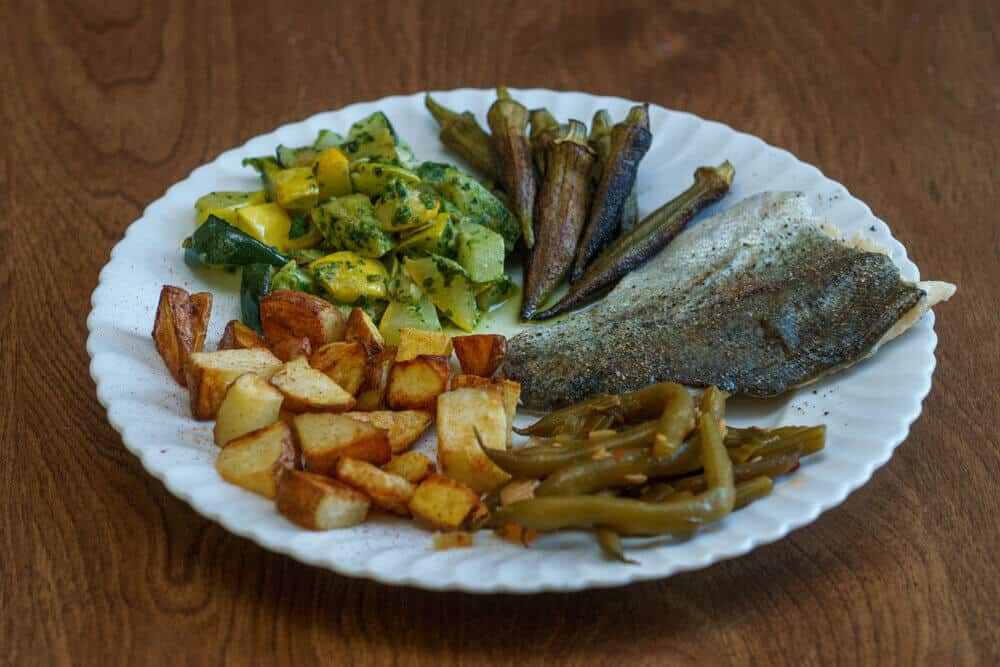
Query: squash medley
357,221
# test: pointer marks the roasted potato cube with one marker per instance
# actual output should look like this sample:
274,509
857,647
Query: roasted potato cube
255,459
414,467
480,354
361,329
249,404
289,313
456,540
344,363
180,326
319,503
292,347
511,394
209,375
416,383
307,389
238,336
458,452
416,342
404,426
324,438
372,396
443,502
388,491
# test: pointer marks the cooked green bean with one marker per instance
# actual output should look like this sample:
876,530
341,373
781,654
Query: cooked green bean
628,516
808,441
657,492
736,436
611,544
569,419
751,490
773,466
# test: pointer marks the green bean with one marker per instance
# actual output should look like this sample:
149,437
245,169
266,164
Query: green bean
568,419
772,466
611,545
807,441
751,490
627,516
736,436
657,492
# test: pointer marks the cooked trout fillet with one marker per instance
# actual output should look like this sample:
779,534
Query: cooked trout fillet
758,299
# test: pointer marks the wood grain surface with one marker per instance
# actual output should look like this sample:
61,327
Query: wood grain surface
105,104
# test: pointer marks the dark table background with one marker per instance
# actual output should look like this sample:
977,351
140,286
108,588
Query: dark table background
105,104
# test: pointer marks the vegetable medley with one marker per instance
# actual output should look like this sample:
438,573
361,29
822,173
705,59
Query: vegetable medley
359,222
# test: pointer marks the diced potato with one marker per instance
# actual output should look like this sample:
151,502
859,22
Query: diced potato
347,276
209,375
386,490
296,189
404,426
511,394
372,396
416,384
415,342
480,354
344,363
325,438
238,336
333,174
361,329
287,314
456,540
414,467
249,404
443,502
458,453
255,459
292,347
319,503
307,389
180,326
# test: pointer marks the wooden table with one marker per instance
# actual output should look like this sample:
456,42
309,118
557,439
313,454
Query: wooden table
104,106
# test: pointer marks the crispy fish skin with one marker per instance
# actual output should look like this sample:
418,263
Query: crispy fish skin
562,211
756,300
508,121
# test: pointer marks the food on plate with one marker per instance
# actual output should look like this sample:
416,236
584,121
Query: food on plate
209,374
316,502
544,128
648,238
629,141
414,467
238,336
600,140
180,326
325,438
416,383
288,313
292,347
372,394
459,413
253,460
415,342
562,211
758,299
344,363
480,354
508,120
510,391
461,133
458,539
443,502
402,427
361,329
307,389
250,403
388,491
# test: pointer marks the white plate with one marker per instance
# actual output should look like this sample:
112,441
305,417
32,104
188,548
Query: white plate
868,409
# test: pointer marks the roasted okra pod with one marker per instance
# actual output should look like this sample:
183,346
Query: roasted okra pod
508,121
544,128
461,133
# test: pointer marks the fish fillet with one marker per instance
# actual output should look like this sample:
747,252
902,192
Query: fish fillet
758,299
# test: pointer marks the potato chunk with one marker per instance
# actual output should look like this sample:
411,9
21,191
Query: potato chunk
344,363
416,383
372,396
388,491
180,326
511,395
404,426
458,453
319,503
361,329
292,347
325,438
307,389
209,375
443,502
255,459
292,314
414,467
238,336
249,404
415,342
480,354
